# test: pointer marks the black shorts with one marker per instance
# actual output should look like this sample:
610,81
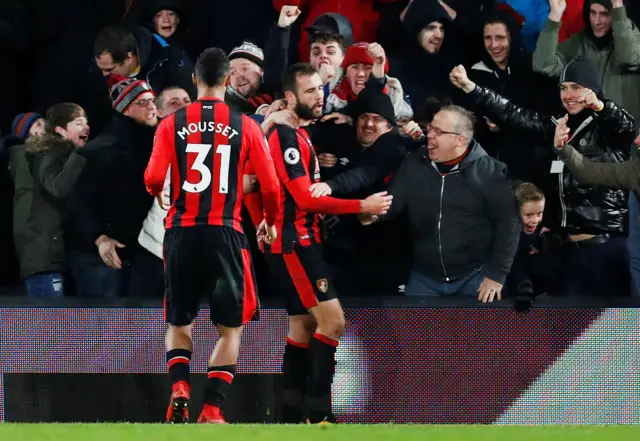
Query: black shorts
195,259
302,276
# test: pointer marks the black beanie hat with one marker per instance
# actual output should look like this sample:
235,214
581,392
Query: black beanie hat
372,100
580,71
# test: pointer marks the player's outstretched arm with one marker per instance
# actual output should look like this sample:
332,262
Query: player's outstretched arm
378,203
161,157
290,166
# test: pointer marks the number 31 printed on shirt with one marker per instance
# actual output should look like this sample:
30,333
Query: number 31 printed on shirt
202,151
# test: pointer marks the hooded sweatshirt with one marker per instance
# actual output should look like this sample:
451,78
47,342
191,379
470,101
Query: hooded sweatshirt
421,74
489,74
525,159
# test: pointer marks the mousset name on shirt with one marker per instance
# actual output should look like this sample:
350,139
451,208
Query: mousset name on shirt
209,126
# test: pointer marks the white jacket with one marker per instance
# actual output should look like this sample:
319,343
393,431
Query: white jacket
151,236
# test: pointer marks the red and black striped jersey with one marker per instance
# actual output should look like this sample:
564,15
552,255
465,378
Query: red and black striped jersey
297,167
207,144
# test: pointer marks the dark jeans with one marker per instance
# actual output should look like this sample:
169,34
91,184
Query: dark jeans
93,278
598,270
147,275
45,285
423,285
633,242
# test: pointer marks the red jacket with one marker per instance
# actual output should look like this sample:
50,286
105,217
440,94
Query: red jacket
364,19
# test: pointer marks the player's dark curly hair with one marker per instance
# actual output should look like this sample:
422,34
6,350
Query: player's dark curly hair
293,72
212,67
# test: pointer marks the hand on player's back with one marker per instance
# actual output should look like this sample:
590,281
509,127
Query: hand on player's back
377,203
272,234
249,184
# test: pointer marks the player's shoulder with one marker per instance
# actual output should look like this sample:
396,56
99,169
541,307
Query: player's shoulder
283,133
178,115
167,121
249,124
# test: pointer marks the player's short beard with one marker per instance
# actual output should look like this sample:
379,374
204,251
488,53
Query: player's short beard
304,111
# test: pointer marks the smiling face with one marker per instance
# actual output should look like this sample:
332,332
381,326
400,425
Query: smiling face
165,22
370,127
76,131
497,43
600,20
246,76
144,110
570,93
431,37
531,213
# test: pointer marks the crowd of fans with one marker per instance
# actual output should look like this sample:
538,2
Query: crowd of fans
478,116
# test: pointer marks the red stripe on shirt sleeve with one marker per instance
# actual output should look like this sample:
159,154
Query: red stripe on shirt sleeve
299,189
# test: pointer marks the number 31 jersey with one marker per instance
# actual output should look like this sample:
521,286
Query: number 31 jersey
208,146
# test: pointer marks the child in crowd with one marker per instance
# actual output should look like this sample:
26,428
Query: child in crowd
536,266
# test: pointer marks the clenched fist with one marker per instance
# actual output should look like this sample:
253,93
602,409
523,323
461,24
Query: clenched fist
556,9
590,100
288,15
327,72
459,78
376,51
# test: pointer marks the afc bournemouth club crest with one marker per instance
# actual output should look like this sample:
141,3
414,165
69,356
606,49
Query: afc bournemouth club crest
323,285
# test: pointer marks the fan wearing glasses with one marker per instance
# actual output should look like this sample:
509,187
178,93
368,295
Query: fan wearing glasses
461,211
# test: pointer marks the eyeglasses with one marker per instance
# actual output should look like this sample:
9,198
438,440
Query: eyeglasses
439,132
146,102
